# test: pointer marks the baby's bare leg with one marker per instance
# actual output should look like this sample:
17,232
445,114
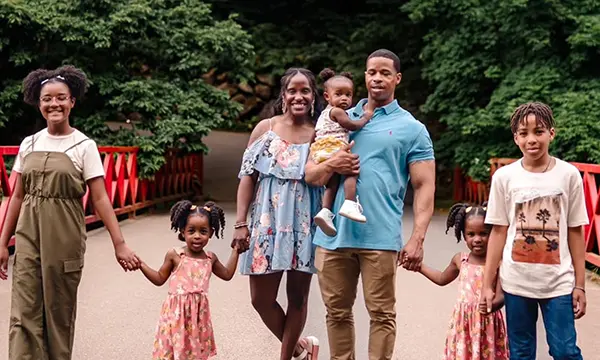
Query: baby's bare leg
350,187
330,191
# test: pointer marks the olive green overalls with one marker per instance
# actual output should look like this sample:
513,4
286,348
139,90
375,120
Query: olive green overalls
50,246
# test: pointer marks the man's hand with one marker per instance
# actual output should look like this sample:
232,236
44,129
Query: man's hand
579,303
344,162
411,255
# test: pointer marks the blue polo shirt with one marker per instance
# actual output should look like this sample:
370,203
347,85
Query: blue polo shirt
386,146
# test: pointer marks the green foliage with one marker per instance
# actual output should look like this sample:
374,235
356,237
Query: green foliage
319,34
144,59
485,58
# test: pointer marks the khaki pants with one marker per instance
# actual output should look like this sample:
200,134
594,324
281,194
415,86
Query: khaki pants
338,279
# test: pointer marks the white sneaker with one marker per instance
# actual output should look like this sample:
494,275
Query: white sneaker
324,221
353,211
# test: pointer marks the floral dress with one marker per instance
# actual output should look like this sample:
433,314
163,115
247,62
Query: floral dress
472,335
184,330
283,208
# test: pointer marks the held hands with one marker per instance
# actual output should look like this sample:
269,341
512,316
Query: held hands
411,255
485,300
241,239
126,257
579,303
4,262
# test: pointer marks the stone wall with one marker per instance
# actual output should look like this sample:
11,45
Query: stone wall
252,95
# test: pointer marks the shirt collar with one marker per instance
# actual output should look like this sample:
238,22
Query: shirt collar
388,109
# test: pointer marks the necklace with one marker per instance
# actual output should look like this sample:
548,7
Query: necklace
547,165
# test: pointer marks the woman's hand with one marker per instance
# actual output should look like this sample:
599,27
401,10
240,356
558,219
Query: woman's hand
344,162
241,239
126,257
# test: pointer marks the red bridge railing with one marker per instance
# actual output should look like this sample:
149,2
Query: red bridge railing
469,190
180,177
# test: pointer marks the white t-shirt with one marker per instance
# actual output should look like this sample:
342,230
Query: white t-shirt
85,156
538,208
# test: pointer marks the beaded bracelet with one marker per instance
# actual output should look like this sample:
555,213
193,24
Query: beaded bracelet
240,225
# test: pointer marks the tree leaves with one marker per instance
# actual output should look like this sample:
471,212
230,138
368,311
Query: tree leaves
144,60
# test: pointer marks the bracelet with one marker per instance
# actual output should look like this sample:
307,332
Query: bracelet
240,225
580,288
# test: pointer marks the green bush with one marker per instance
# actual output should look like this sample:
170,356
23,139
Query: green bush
144,59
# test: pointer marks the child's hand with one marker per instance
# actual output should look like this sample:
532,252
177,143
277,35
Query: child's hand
579,303
485,301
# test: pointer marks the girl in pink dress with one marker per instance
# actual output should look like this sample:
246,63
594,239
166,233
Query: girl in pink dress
184,329
472,335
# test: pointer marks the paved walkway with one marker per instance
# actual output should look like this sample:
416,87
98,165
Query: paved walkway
118,311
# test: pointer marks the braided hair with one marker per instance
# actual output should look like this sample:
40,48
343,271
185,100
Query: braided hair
327,75
542,112
458,215
181,211
73,77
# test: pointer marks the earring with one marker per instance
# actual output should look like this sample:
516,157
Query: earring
312,109
283,107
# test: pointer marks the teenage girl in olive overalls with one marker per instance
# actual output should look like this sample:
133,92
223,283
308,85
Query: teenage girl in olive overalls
54,167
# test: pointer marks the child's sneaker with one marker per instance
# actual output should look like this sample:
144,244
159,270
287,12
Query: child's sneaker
324,221
353,211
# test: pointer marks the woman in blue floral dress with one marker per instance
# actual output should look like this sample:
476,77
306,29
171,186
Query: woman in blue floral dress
282,207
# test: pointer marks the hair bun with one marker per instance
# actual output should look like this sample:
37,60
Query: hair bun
346,74
326,74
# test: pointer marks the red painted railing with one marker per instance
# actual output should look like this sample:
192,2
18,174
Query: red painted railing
180,177
468,190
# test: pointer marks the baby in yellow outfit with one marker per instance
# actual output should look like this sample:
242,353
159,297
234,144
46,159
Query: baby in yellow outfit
332,134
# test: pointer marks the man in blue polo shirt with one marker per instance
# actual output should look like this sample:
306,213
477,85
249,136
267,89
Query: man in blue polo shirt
393,148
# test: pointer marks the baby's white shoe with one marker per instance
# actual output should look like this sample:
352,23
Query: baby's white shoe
324,221
353,211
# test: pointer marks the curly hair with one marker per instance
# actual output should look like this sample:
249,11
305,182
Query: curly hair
277,105
542,112
182,210
73,77
327,75
458,215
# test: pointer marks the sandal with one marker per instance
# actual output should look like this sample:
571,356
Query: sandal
310,350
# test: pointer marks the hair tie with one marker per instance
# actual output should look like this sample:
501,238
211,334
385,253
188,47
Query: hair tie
193,207
207,208
56,77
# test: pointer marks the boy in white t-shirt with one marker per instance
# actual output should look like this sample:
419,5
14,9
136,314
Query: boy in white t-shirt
538,213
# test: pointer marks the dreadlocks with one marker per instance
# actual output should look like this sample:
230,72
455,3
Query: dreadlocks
542,112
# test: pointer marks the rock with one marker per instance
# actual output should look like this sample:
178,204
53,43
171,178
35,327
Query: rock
240,98
222,77
250,104
246,88
263,91
267,79
230,88
209,77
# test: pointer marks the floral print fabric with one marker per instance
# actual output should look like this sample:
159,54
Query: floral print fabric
282,212
472,335
184,330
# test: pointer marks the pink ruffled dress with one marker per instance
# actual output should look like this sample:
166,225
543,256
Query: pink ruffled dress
472,335
184,330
